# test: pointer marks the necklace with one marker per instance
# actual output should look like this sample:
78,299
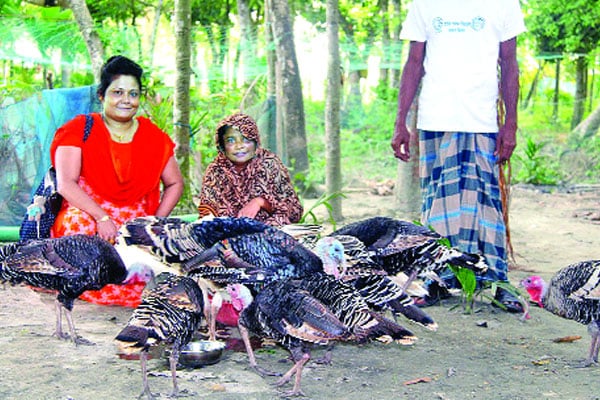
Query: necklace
123,136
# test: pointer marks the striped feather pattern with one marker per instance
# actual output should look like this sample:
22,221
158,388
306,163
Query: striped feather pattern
170,312
401,246
70,265
573,292
176,240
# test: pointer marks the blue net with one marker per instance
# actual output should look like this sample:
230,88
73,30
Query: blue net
26,131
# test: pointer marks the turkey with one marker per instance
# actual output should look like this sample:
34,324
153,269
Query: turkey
70,265
175,240
256,258
317,309
369,278
253,259
572,293
401,246
170,313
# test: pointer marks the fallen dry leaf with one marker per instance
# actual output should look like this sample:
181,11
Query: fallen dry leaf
217,387
567,339
541,362
424,379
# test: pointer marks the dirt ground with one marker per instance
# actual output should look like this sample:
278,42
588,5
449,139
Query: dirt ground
488,354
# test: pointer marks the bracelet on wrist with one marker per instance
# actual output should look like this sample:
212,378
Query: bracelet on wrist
103,219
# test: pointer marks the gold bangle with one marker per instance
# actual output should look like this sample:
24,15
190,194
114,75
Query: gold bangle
103,219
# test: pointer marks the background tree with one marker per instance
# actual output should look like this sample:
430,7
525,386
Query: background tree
181,101
573,28
290,104
361,28
333,179
88,30
213,18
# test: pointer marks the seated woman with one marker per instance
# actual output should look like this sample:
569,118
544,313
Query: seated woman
116,173
246,180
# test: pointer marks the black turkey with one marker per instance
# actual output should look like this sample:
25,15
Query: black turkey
257,258
401,246
170,313
176,241
70,265
316,309
572,293
369,278
253,259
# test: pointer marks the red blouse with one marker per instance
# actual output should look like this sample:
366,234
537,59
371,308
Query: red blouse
119,172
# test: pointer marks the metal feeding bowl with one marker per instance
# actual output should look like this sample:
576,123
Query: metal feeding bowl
199,353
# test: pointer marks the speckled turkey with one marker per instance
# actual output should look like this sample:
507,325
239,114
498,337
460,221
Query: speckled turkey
316,309
401,246
255,259
572,293
176,241
70,265
170,313
370,279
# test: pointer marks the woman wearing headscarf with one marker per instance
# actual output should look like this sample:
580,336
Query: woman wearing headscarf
246,180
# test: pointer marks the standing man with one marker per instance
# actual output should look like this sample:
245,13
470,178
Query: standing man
462,57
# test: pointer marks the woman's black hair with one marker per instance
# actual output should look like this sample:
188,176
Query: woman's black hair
115,66
220,133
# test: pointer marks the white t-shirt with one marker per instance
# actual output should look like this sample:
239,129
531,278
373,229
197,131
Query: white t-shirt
460,85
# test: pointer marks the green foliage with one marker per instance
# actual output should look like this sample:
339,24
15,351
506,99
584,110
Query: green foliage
510,288
534,166
323,201
364,138
118,11
468,282
560,26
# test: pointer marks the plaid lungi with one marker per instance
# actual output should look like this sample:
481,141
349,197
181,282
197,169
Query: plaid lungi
461,194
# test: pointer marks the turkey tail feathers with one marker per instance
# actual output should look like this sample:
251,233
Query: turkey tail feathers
387,329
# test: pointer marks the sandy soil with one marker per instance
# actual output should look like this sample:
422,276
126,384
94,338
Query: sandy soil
487,354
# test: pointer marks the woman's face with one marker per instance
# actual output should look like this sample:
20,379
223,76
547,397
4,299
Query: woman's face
122,98
238,149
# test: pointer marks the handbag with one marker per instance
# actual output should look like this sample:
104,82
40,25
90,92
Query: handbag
46,201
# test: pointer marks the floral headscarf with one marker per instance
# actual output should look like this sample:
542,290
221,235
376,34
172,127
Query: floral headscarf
227,189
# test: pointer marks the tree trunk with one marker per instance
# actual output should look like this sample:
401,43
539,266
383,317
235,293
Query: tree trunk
408,189
247,42
333,179
533,86
181,96
289,90
589,126
269,128
92,40
219,45
155,24
396,50
385,44
556,91
353,106
580,90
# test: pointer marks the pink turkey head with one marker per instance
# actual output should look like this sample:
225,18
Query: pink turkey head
240,296
535,286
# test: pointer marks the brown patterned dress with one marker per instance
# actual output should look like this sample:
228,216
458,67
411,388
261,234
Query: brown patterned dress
226,189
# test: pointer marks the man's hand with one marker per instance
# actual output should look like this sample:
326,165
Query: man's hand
401,141
505,143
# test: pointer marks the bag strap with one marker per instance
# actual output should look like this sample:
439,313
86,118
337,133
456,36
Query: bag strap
89,122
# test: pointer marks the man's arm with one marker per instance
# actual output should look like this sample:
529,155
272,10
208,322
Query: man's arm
409,84
509,88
